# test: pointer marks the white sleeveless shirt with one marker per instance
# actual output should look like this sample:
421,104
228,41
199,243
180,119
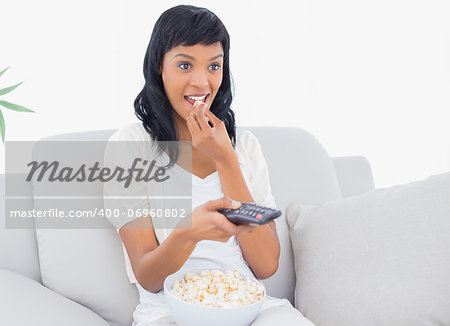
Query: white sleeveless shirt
207,254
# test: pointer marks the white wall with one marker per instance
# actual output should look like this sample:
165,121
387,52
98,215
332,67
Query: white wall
366,78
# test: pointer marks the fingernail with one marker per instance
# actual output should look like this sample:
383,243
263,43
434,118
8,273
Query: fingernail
235,204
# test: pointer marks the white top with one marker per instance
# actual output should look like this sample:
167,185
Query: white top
207,254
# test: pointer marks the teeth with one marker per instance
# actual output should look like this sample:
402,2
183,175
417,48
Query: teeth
197,98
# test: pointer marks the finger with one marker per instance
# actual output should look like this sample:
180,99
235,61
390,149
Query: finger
224,224
212,117
202,106
194,112
223,202
209,118
192,123
201,118
200,109
198,105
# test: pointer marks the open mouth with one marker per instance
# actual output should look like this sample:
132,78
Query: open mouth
191,99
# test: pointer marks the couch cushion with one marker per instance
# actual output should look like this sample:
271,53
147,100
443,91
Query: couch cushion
84,265
87,267
300,170
23,259
24,301
381,258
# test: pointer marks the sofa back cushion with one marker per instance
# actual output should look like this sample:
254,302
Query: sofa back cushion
84,265
300,170
381,258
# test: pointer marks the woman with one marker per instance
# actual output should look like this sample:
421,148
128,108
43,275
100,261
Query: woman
187,97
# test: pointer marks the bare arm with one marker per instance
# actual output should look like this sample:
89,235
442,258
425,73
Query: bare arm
260,248
152,263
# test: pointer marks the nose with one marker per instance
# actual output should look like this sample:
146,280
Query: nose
199,79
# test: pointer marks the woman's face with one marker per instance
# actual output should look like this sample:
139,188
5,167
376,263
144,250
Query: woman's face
190,73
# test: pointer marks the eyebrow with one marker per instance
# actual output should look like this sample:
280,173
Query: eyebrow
193,59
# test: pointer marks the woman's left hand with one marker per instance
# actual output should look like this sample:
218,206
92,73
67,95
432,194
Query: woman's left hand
213,141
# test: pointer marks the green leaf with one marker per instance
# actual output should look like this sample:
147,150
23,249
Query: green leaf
2,126
14,107
8,89
1,72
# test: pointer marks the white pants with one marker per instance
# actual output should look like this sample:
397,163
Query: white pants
280,315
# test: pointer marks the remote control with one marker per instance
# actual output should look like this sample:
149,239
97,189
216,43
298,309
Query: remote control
250,213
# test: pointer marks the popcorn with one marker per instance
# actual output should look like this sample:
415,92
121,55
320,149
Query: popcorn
218,289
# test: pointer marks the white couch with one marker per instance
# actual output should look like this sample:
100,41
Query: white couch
78,277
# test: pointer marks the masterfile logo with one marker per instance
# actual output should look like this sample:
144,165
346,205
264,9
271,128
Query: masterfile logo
94,173
93,184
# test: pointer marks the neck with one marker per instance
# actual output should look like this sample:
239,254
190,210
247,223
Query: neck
182,129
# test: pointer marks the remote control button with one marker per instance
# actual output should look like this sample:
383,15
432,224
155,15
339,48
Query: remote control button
258,217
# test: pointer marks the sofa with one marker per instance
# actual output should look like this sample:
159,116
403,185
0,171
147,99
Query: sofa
78,277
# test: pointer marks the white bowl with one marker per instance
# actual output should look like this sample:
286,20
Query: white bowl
190,314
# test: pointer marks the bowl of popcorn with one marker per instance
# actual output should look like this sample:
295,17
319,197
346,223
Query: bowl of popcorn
200,297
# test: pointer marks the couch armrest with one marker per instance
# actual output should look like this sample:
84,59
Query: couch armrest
24,301
354,175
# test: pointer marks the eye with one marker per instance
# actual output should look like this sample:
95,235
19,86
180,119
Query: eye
215,66
183,65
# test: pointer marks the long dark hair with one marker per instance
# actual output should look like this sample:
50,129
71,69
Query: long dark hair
181,25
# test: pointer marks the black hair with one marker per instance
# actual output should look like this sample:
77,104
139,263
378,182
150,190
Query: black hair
181,25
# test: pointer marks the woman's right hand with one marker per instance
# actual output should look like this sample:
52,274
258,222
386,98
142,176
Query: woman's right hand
209,224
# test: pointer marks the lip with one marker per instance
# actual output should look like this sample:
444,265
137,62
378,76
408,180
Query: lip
197,94
191,105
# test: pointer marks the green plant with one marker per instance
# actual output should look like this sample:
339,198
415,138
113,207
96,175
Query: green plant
9,105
